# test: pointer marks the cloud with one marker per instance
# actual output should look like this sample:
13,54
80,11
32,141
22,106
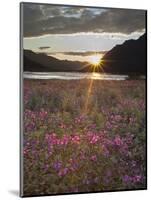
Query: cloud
47,19
72,53
43,48
86,53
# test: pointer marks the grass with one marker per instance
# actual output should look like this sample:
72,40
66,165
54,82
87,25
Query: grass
84,136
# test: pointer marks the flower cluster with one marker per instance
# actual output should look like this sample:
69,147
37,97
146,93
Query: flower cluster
69,149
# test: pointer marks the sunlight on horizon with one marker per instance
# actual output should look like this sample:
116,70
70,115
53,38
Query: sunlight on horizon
95,59
96,63
82,58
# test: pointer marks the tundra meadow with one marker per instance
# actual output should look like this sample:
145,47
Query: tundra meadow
84,136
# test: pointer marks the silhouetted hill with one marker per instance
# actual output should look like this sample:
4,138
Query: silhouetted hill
40,62
129,57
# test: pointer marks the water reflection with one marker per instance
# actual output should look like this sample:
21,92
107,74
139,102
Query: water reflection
73,76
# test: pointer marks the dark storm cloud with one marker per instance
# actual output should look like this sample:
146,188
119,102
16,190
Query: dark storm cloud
31,13
49,11
120,20
41,20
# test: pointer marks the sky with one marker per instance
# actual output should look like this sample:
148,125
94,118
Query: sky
76,33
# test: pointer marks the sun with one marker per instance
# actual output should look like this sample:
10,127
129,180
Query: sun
95,59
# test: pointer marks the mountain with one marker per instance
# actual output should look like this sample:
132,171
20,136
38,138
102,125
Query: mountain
40,62
129,57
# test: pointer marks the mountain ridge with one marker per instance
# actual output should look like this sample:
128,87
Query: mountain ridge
129,57
40,62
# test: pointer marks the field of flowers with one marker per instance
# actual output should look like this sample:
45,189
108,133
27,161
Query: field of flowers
84,136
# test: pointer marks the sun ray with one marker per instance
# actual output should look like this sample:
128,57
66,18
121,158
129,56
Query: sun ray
95,62
88,96
96,66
